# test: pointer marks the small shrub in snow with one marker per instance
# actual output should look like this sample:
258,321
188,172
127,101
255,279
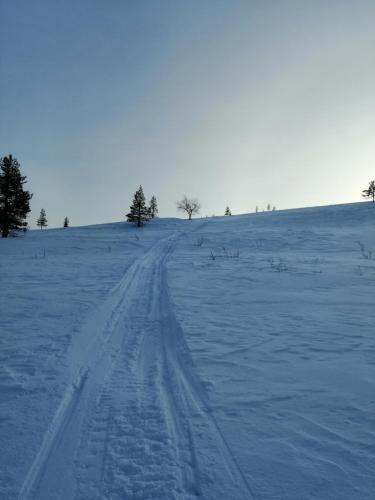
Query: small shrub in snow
226,254
278,264
230,253
42,255
259,243
366,254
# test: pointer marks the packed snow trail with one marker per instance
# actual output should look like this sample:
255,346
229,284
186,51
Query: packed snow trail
135,421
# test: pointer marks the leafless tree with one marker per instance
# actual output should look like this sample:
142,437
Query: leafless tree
189,205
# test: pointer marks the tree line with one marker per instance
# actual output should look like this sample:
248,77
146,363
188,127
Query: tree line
15,202
140,212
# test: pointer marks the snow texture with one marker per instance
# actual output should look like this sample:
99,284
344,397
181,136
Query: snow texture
219,358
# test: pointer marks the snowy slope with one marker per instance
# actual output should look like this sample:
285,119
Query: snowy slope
218,358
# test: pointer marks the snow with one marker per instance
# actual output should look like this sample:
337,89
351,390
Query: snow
227,357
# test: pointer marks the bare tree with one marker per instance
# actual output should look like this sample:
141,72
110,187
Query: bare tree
189,205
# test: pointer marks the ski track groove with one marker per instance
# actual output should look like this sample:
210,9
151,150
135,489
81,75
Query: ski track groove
135,418
193,386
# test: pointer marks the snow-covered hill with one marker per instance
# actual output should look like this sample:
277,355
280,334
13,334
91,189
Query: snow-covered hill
222,358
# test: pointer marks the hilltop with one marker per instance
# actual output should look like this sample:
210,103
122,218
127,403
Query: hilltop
226,357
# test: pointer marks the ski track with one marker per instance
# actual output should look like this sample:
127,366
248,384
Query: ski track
135,422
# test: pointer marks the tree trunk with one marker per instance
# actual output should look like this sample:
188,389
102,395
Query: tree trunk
5,231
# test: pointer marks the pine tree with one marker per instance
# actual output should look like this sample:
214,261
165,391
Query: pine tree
227,211
42,219
14,200
370,191
139,212
153,208
269,207
256,209
66,222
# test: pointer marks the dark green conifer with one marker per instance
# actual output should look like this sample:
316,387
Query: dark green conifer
139,212
370,191
42,219
153,208
14,200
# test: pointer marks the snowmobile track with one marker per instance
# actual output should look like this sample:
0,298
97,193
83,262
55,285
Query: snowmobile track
135,420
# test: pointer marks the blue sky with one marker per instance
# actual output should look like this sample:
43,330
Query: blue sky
234,102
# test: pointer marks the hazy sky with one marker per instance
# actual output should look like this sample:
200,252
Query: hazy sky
235,102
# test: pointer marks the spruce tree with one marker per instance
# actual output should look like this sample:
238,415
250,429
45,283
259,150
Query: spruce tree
153,208
139,212
14,200
370,191
42,219
66,222
227,211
